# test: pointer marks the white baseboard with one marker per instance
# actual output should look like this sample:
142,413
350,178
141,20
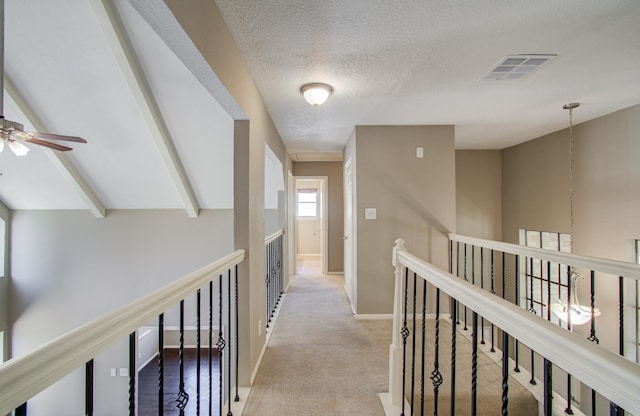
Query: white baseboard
390,409
335,273
373,316
365,316
268,333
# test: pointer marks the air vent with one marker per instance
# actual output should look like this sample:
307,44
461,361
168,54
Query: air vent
517,66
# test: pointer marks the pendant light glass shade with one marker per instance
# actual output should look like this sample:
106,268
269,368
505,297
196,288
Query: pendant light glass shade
571,311
316,93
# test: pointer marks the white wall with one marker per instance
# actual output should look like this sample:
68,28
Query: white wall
69,268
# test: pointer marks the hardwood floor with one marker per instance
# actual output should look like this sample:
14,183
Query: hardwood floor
148,384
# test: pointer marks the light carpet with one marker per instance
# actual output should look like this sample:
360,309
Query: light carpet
320,360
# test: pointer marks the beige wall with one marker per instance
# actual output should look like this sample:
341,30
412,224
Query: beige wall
333,171
414,198
479,193
607,196
203,23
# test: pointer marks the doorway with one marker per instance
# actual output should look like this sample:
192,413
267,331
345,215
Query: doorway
310,212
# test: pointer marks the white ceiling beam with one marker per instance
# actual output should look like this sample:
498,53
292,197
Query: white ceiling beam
60,160
120,43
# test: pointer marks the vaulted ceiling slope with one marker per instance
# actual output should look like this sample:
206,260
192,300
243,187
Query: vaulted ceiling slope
423,62
157,139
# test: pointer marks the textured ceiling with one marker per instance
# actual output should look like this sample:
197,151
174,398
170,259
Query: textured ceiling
421,62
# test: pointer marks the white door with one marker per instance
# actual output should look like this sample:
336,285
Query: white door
348,228
311,225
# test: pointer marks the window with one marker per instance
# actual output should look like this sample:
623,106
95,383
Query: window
307,202
542,282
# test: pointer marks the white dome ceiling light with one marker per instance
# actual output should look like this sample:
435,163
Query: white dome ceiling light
316,93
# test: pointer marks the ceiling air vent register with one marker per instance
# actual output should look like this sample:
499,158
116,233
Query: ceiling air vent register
518,66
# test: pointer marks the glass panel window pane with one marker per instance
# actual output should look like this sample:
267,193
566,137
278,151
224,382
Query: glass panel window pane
306,197
306,209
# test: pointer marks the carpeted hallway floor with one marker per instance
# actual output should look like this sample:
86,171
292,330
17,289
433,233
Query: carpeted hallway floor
320,360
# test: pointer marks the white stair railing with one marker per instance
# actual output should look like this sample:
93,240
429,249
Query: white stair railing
23,377
611,375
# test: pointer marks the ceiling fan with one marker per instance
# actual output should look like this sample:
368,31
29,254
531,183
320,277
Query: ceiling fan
12,133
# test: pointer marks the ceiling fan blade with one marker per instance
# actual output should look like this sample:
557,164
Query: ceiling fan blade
50,136
53,146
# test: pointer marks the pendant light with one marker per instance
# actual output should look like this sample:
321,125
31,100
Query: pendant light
571,311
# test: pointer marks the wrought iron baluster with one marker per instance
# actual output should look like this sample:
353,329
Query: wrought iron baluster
548,388
268,281
413,346
504,277
436,377
568,410
615,409
457,305
183,396
549,291
88,392
482,287
132,374
474,363
424,328
198,358
405,333
229,413
21,410
237,398
592,337
517,348
532,310
505,373
531,307
466,280
493,292
210,349
220,344
454,330
161,364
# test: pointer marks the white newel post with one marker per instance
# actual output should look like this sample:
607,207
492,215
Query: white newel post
395,349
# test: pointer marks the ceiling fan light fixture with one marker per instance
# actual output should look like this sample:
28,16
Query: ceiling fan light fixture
18,148
316,93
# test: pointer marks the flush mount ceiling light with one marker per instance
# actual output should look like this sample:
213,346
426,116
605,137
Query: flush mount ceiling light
316,93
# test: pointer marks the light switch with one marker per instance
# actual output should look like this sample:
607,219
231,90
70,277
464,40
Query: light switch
370,214
113,372
419,152
124,372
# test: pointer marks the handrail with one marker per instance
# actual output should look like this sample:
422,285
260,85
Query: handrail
23,377
607,373
614,267
273,236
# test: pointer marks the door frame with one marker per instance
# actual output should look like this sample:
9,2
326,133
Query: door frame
324,205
